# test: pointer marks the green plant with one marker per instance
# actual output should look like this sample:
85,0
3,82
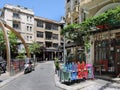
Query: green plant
20,56
57,64
34,48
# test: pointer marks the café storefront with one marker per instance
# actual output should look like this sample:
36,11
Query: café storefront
107,51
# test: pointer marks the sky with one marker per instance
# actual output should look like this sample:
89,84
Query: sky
51,9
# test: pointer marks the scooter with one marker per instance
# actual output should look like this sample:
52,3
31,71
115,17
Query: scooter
28,67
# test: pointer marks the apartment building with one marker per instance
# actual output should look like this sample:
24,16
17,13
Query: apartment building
44,31
79,10
104,45
72,11
21,19
47,33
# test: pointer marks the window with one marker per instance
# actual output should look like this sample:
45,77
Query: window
39,23
48,44
39,34
48,26
41,43
30,28
76,2
16,15
27,28
27,38
55,36
68,1
48,35
30,19
55,45
27,18
55,27
30,37
16,25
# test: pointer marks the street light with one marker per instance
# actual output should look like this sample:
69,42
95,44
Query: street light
62,22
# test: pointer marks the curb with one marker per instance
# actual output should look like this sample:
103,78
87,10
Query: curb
58,84
76,87
108,79
10,79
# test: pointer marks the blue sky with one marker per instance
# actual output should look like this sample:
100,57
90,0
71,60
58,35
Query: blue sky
51,9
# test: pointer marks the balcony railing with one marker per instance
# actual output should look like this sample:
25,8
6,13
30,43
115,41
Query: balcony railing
16,18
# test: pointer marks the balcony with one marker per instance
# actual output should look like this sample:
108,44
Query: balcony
16,18
76,8
48,35
68,3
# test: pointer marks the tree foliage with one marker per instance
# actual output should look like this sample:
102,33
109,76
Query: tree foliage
80,32
12,40
34,48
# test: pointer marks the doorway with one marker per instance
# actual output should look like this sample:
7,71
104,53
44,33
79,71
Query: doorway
117,60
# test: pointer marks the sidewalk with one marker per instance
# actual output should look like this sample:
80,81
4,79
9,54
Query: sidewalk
6,78
85,84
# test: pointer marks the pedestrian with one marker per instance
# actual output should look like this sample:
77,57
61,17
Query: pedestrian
57,66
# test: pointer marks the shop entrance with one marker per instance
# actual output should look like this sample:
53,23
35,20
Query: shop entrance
117,60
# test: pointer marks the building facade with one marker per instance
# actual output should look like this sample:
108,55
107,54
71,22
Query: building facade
22,20
44,31
104,48
47,33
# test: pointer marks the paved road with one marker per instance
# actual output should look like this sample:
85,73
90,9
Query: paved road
40,79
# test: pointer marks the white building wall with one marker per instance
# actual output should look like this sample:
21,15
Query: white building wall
23,13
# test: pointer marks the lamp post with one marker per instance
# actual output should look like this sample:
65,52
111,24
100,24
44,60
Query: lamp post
62,22
64,51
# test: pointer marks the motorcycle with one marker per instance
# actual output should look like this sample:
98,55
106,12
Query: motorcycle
28,67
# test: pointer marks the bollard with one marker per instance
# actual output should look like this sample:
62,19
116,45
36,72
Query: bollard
12,72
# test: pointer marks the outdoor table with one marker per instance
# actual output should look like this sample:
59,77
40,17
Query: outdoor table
99,68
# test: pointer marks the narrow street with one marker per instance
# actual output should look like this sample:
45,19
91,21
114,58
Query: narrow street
40,79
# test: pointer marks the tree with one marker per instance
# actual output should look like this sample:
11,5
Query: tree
34,48
74,34
12,41
13,44
2,43
81,32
